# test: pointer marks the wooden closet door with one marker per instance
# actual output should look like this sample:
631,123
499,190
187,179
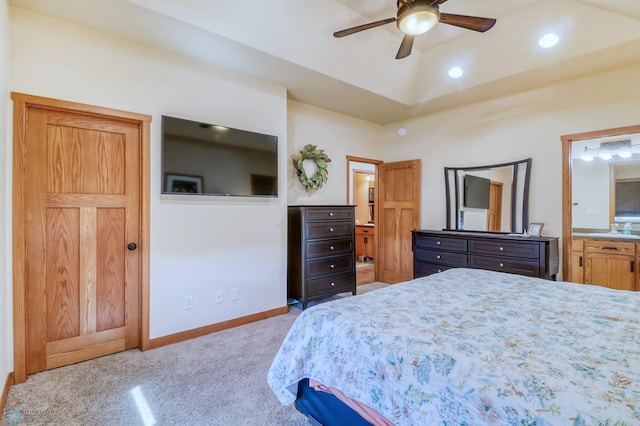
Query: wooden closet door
83,210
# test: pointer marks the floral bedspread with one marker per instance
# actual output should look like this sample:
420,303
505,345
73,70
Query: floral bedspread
473,347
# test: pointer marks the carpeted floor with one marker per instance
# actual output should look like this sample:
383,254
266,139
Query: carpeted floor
218,379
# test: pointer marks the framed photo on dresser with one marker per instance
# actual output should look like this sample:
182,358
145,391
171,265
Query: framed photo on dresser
535,229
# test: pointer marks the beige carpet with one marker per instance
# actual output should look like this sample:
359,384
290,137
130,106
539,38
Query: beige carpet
218,379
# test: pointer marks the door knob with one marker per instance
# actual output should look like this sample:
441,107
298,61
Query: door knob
132,246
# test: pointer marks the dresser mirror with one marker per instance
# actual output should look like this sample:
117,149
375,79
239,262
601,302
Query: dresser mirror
601,185
490,198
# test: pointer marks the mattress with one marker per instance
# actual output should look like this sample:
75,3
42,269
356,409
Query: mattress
473,347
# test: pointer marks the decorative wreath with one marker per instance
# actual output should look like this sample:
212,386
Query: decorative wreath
311,152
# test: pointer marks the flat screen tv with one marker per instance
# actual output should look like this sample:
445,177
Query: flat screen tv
476,192
207,159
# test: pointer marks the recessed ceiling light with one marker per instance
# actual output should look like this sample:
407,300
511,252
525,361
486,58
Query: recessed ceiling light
548,40
456,72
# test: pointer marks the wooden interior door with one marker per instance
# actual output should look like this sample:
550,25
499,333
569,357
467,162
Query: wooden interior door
494,214
82,272
398,215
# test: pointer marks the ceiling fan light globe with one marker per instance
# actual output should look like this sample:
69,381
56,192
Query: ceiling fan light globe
418,20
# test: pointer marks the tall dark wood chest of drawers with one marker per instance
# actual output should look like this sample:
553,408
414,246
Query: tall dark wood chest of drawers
321,252
435,251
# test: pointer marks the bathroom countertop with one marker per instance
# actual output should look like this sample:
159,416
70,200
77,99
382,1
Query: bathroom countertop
606,236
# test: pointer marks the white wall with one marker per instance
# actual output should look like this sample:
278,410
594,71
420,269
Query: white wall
197,247
339,135
213,243
514,128
6,298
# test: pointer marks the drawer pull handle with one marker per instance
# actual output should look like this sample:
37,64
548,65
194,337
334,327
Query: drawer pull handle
438,243
501,248
332,266
631,264
332,284
331,214
609,248
438,257
330,229
580,261
502,265
331,248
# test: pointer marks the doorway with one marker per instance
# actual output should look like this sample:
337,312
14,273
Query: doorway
362,193
81,253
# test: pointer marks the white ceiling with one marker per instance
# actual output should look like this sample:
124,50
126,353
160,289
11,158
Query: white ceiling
290,43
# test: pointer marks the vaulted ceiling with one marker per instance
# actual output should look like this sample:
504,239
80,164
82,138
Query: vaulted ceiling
290,43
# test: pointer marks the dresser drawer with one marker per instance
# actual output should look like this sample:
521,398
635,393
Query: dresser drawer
505,248
421,269
317,230
324,248
328,214
441,257
331,285
329,265
529,268
441,243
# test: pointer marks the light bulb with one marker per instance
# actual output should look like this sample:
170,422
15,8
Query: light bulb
586,157
548,40
605,156
624,154
456,72
416,21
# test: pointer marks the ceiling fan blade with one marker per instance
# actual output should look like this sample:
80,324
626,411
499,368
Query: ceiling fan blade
474,23
359,28
405,47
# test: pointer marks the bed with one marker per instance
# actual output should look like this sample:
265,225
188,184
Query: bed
472,347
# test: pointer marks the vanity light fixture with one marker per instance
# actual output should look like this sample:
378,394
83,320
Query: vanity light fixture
605,156
586,156
607,150
624,153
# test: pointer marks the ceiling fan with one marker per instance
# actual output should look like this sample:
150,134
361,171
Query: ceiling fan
419,16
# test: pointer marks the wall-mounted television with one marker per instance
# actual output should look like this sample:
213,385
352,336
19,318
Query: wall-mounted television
206,159
476,192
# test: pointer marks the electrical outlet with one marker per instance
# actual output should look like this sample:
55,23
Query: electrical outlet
219,296
188,302
234,294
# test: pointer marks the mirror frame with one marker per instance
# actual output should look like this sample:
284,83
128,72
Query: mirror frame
517,204
567,202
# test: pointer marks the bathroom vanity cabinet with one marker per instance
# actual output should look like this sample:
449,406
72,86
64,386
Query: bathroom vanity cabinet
611,263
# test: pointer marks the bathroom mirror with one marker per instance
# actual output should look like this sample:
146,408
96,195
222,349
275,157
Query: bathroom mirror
490,198
598,169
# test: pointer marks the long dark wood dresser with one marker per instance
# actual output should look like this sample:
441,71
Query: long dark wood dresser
436,251
321,252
